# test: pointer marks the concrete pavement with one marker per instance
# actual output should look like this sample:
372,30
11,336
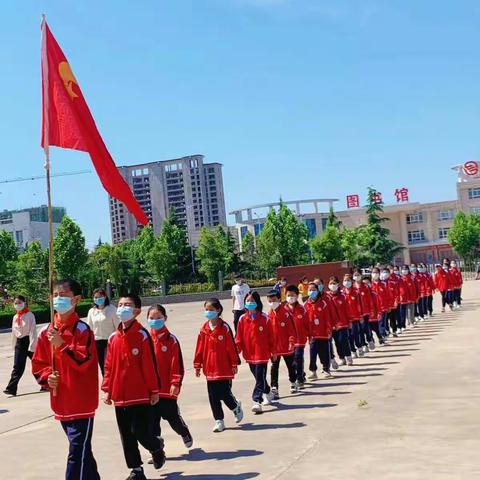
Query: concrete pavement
409,410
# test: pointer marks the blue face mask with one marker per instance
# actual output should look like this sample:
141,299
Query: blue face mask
124,314
210,314
320,287
251,306
312,294
157,323
99,301
62,304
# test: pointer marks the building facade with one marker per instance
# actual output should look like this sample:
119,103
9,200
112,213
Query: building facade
30,224
422,228
187,185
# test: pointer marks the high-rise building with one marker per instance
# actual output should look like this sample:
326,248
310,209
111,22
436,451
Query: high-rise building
30,224
187,185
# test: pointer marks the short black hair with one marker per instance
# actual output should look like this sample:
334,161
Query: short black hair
137,301
102,291
273,293
157,306
72,284
294,289
215,303
256,296
21,298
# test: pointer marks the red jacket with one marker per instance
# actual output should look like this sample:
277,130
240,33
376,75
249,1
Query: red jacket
215,352
457,278
77,365
342,318
321,316
443,280
353,303
365,298
284,333
255,338
408,289
169,359
130,369
376,314
301,323
430,284
423,284
393,286
384,300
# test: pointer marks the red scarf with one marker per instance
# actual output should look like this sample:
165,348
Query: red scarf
20,314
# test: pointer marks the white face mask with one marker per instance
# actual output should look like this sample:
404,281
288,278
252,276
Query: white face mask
384,275
357,278
238,282
404,272
273,305
292,300
333,287
19,306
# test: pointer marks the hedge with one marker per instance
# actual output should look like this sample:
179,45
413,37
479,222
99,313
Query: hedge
41,312
184,288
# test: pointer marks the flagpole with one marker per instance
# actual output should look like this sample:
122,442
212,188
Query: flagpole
46,148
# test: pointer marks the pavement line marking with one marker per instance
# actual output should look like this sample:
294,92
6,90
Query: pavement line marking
26,424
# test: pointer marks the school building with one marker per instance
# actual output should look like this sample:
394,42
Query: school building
422,228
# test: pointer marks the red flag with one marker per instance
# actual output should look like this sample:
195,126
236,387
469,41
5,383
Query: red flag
68,123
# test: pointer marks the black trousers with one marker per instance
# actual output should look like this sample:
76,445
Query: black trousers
365,330
136,425
289,362
19,362
375,327
457,296
320,347
430,304
259,371
81,464
299,361
101,352
394,319
236,317
446,298
342,343
167,408
220,391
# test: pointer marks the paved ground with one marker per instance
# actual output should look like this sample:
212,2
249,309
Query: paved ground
420,418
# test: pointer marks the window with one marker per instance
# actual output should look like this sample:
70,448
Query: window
443,233
445,215
19,237
473,193
258,227
415,218
475,210
243,231
416,236
312,227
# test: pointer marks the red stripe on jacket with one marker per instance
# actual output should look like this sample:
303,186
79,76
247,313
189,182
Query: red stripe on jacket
215,352
77,365
254,338
130,369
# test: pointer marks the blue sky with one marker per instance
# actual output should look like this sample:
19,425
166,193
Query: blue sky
297,98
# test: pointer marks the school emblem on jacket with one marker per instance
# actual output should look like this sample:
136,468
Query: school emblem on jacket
220,337
282,324
164,348
299,316
316,321
135,351
260,328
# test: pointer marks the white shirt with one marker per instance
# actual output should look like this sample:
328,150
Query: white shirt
103,322
27,328
239,292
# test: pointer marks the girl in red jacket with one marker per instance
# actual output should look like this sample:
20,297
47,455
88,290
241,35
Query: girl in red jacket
443,283
355,336
285,338
384,302
131,383
375,315
365,301
217,356
168,355
457,279
256,342
74,383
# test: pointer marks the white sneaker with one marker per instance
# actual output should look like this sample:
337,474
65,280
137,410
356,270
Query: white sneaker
455,305
257,408
238,412
395,334
371,345
360,351
219,426
365,349
300,385
334,364
327,375
275,394
268,398
313,376
355,354
344,361
349,361
293,388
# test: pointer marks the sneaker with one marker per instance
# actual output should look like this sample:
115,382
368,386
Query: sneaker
275,394
257,408
158,458
349,361
238,412
443,310
395,334
371,345
300,385
268,398
327,375
219,426
334,364
360,351
293,388
365,349
313,376
355,354
455,305
188,440
344,361
137,475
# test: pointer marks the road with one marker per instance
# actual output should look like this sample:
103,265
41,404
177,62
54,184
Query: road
409,410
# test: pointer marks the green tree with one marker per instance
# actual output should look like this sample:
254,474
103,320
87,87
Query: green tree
214,253
32,273
248,249
464,236
327,247
70,254
283,241
354,242
8,257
